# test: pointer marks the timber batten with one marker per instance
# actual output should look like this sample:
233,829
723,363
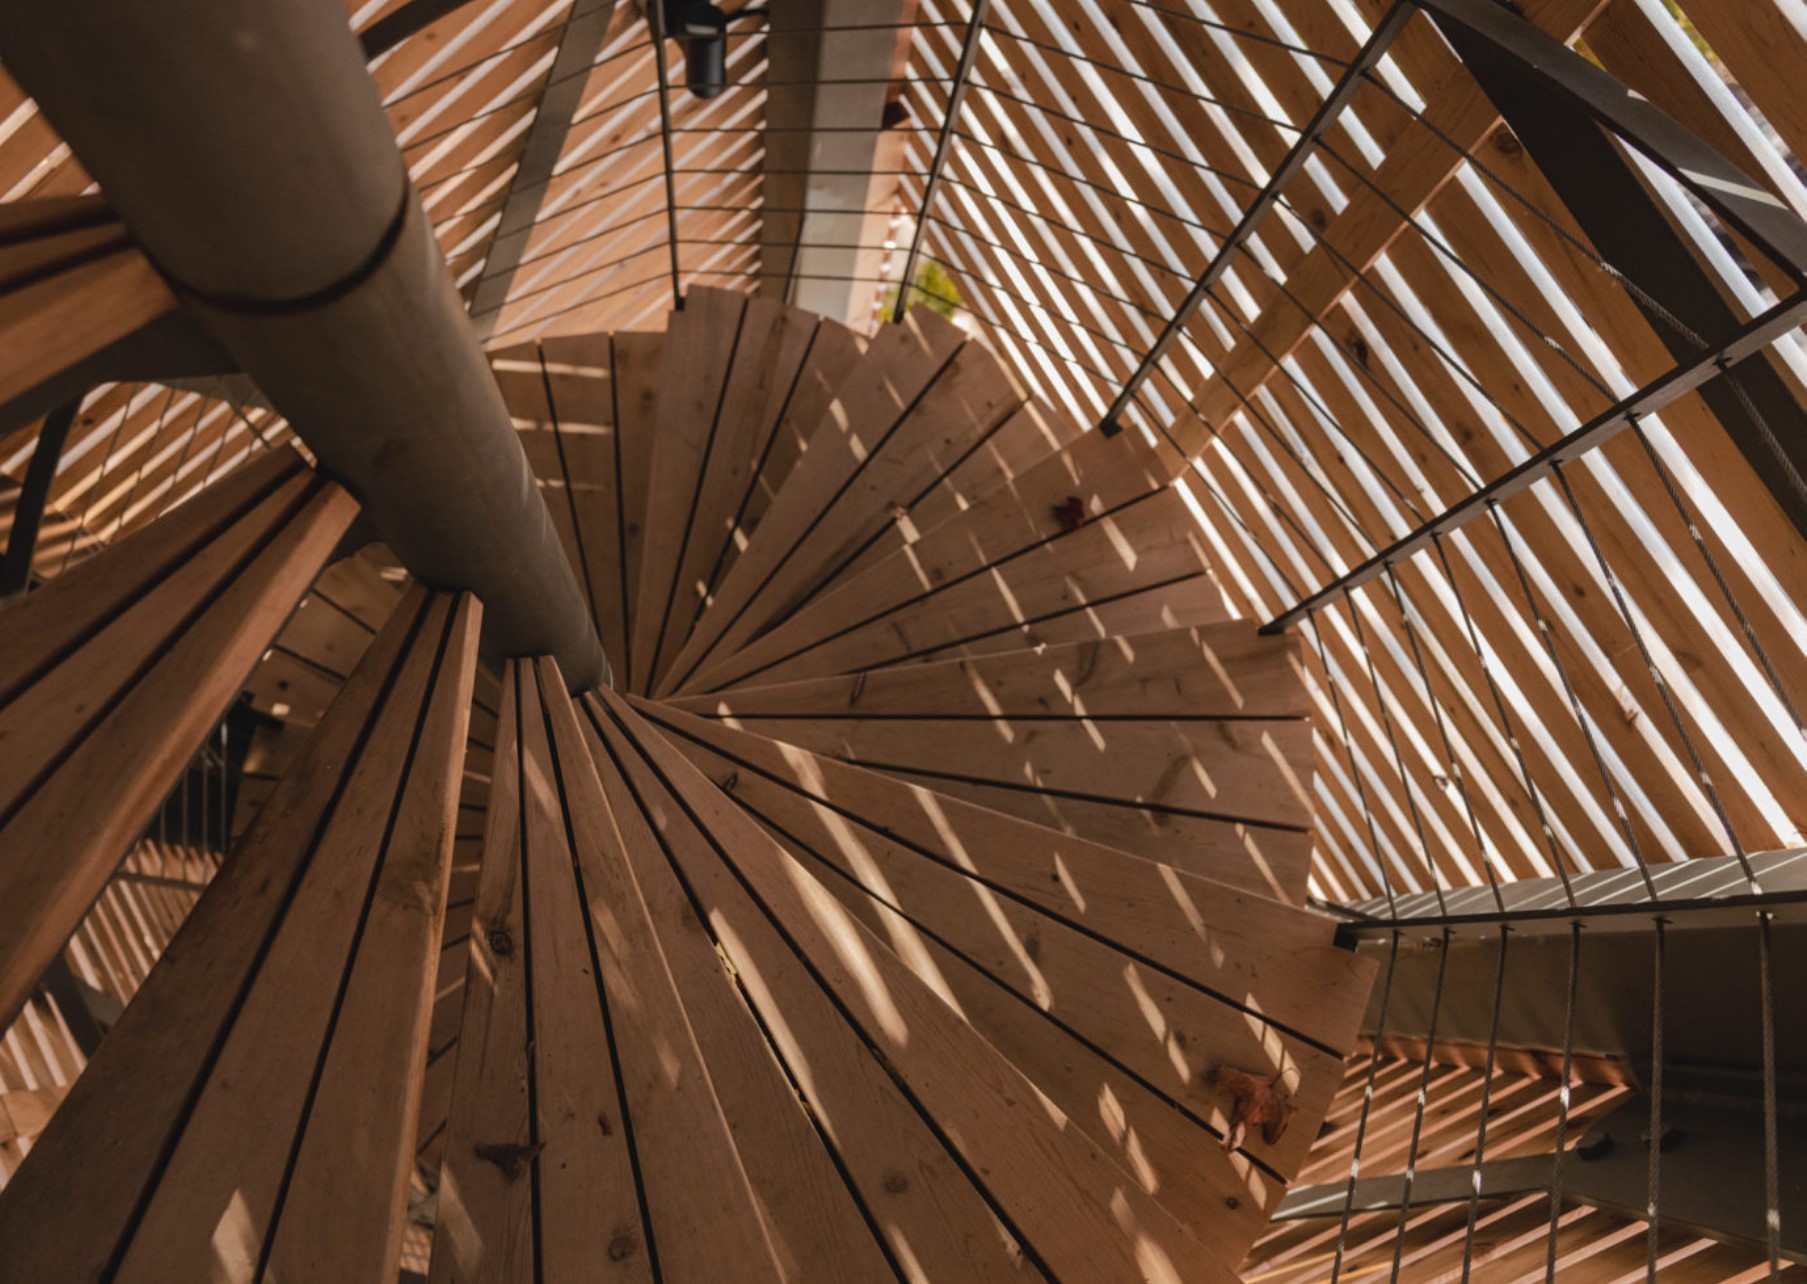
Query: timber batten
1272,690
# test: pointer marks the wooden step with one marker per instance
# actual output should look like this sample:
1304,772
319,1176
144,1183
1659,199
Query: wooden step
262,1086
1036,431
580,1086
1067,1004
875,399
1069,1206
834,352
1049,735
71,282
1100,889
586,408
113,674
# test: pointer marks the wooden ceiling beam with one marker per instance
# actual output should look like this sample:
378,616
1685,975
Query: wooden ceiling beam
585,30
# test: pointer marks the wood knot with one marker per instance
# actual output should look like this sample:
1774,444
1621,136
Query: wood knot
622,1247
511,1159
1253,1100
1070,513
501,944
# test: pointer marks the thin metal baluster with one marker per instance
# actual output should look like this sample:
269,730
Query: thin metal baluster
1772,1201
1405,781
1655,1176
1506,727
1500,708
106,462
1725,588
1662,689
1424,1083
1480,1136
1355,771
1449,750
1548,639
969,52
655,17
1361,1125
1562,1102
225,781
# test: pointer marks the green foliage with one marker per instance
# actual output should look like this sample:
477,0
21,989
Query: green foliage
1681,19
933,287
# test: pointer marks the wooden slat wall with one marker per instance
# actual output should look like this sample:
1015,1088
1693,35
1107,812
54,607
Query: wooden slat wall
1279,391
1511,1233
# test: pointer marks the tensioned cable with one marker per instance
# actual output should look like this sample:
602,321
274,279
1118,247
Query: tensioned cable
1772,1202
1562,1103
1504,714
1355,770
1449,753
1654,1161
1240,33
125,418
1476,1172
1384,705
1361,1126
1424,1082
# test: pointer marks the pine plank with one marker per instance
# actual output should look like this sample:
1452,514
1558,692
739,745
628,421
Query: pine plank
483,1227
54,322
1036,431
1214,670
637,390
817,1228
695,369
1220,1198
700,1206
1102,474
1084,1216
159,1052
901,363
1256,770
1099,990
45,721
1224,940
834,351
585,1188
768,364
967,405
580,371
46,623
920,1197
103,791
217,1198
359,1145
1148,544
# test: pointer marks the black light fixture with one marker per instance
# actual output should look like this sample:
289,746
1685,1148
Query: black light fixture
703,29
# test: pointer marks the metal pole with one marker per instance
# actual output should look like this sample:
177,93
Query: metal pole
1369,56
28,513
245,147
969,51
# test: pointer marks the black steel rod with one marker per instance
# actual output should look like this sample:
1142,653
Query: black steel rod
969,51
655,15
1372,51
1684,378
28,512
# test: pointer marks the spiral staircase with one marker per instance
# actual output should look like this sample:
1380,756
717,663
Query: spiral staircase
924,902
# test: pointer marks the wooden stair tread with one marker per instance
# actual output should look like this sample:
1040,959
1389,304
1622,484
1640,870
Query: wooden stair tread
897,924
272,1058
